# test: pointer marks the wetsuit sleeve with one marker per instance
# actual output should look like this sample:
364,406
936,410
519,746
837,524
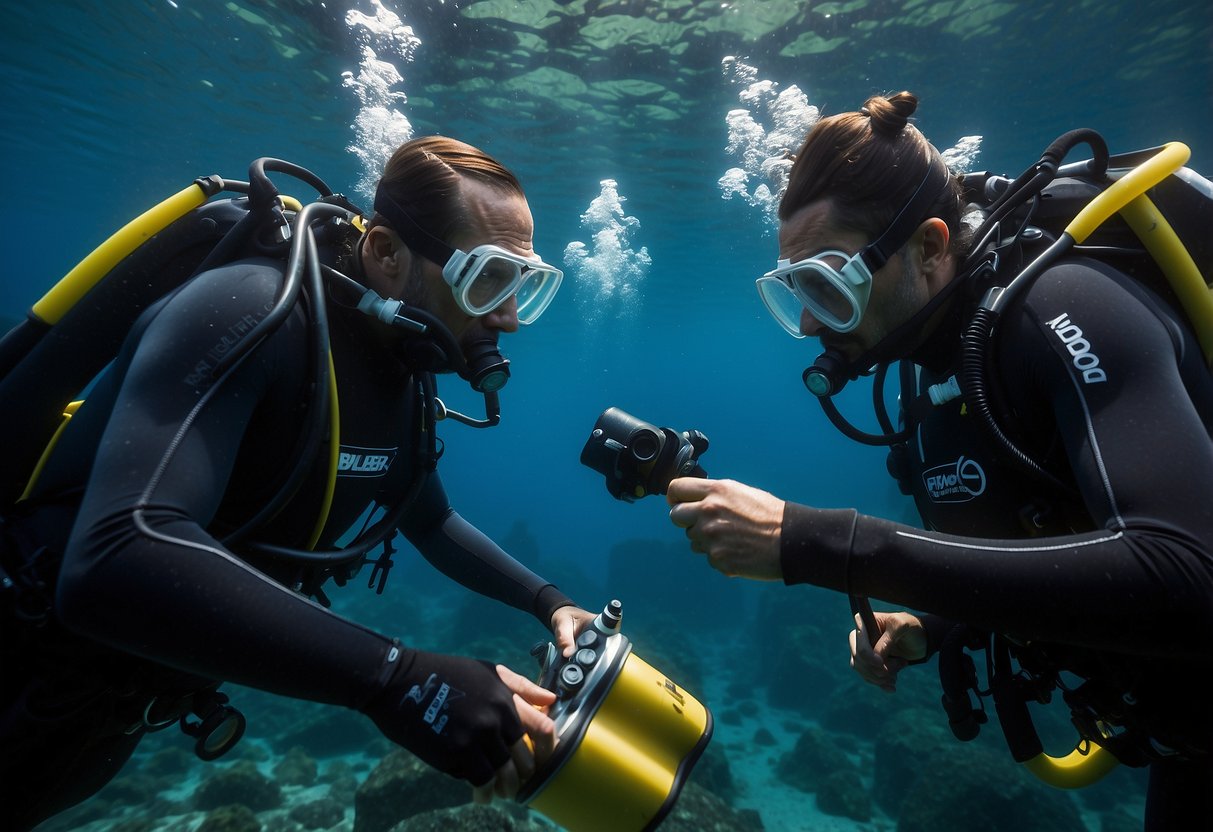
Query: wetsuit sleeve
1143,462
140,571
465,554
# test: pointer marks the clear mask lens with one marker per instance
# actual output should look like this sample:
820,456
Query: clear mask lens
536,292
783,304
493,282
823,293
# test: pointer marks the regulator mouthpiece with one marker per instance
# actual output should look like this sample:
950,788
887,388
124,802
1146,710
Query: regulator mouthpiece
828,375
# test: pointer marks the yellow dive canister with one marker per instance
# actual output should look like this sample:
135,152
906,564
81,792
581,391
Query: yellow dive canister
627,736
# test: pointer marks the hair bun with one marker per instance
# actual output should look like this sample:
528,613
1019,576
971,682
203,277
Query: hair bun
890,115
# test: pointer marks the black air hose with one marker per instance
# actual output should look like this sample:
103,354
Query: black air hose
974,345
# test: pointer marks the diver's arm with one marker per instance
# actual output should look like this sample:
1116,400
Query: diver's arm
466,555
1144,465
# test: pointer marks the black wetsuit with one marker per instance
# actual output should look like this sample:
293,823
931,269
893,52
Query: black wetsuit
150,601
1100,381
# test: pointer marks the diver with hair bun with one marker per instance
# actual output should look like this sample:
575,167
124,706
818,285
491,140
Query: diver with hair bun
1054,431
198,498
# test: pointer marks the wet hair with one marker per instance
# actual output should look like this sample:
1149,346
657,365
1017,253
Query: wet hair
868,163
424,176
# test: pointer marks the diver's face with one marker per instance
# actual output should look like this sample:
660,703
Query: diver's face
395,271
497,218
896,294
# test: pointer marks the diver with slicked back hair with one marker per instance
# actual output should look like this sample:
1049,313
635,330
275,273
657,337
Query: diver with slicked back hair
1062,466
190,553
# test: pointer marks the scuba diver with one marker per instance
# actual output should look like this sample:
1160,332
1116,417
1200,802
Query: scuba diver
199,498
1062,468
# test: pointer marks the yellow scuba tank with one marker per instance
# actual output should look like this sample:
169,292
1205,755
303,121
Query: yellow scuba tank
627,735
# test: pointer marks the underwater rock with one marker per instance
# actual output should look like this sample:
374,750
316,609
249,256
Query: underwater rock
918,733
139,824
169,762
240,783
400,787
763,737
133,789
816,755
796,638
344,789
976,788
713,773
498,817
858,709
296,768
843,794
698,810
230,819
335,732
318,814
343,782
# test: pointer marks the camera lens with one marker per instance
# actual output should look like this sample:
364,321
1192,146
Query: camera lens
644,445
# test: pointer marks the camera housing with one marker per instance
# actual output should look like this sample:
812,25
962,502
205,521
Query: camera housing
639,459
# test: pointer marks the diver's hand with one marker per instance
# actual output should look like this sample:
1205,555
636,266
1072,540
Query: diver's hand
567,622
736,526
902,640
459,716
529,698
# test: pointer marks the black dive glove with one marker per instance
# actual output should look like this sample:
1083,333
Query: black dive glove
454,713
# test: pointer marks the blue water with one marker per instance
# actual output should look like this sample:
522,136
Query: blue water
107,108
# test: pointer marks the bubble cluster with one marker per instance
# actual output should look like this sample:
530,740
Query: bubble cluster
610,268
961,156
762,135
379,126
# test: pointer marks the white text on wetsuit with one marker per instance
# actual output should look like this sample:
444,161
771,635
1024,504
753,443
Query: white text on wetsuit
1085,361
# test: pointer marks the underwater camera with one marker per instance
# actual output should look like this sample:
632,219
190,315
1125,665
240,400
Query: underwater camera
639,459
627,736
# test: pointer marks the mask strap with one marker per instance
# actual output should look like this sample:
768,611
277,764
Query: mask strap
878,252
414,236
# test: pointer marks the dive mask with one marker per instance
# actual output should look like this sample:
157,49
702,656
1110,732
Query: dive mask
834,287
481,279
487,276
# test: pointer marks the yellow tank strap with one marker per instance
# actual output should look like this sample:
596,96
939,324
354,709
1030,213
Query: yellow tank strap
1086,764
1133,184
330,487
1160,239
1128,197
76,283
68,412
